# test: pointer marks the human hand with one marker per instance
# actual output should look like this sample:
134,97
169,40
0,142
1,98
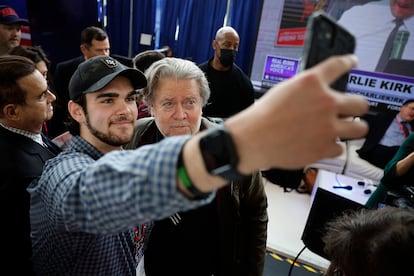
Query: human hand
298,121
405,164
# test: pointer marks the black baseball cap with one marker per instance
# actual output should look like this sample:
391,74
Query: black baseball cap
95,73
9,16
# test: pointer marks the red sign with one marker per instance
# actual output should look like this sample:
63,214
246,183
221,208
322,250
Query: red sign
291,37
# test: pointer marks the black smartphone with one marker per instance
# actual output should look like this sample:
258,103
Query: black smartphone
324,38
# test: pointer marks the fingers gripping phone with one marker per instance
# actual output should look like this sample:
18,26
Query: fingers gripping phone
325,38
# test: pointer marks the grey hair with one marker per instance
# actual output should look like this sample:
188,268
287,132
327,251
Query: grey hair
178,69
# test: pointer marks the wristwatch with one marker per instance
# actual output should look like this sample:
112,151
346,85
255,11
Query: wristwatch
219,153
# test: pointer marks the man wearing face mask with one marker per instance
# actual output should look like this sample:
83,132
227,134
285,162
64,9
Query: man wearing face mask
231,90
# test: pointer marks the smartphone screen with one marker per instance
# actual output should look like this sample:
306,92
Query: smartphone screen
325,38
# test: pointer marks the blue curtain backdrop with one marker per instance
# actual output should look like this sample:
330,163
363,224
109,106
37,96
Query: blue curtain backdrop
118,25
245,17
198,21
18,5
143,22
170,12
118,14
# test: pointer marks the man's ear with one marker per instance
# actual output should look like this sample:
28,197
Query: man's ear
76,112
83,49
11,112
214,44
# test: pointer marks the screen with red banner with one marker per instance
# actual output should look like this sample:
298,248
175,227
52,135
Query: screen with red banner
293,23
385,83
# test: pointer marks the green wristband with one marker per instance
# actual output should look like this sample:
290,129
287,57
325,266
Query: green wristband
185,179
182,174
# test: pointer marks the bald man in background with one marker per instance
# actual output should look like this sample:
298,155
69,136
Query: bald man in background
231,89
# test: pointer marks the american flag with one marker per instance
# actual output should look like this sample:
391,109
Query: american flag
26,37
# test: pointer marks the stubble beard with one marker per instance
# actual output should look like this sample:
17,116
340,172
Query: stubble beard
110,139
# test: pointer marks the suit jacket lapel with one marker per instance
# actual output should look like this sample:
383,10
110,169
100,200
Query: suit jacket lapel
28,145
51,146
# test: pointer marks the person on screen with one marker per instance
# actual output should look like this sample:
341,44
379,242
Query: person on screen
386,133
373,24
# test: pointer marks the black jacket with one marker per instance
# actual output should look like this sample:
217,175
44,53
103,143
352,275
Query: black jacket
231,91
226,237
22,161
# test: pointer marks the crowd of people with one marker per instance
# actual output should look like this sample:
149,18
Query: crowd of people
180,174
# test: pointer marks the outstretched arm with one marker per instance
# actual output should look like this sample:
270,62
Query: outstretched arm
295,123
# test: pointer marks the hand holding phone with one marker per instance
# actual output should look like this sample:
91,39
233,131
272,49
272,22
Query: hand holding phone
325,38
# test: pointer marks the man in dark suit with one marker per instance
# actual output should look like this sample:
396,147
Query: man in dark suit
94,42
25,103
386,133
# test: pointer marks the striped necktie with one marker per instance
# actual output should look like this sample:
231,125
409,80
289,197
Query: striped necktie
50,145
386,52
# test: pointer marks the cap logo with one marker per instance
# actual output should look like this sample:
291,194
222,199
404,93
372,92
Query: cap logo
7,12
110,63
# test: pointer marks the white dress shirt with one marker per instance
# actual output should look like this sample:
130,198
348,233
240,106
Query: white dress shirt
371,24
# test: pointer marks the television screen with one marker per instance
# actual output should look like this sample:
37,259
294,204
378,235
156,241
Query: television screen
278,69
385,82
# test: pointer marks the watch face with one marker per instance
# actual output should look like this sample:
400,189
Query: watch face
219,154
216,149
213,150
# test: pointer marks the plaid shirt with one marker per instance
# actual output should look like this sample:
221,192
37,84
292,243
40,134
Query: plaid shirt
85,205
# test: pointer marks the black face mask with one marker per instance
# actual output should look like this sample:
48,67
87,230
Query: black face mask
227,57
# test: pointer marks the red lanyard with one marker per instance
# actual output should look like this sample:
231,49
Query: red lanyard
46,131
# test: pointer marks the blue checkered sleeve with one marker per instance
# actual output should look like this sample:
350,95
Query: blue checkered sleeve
115,192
